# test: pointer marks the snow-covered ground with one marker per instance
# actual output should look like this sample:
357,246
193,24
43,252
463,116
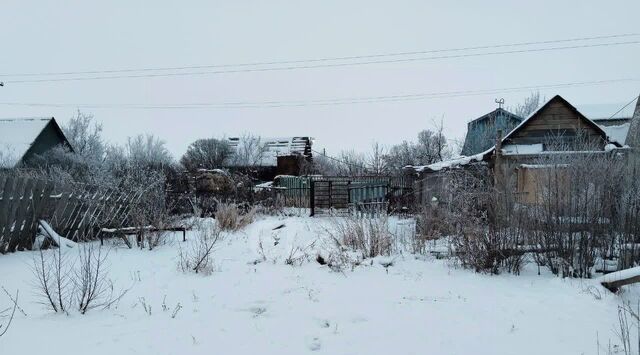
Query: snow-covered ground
418,305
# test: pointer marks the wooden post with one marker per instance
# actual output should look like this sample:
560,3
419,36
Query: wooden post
497,164
312,198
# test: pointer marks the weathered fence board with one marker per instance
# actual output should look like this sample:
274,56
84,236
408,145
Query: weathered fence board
77,212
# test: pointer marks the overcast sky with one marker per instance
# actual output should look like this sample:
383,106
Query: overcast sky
60,36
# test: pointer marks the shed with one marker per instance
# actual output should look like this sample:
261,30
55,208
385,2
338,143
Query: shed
23,138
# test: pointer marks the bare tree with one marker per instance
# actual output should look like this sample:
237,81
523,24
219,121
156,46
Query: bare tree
376,161
528,106
206,154
431,147
250,151
147,150
85,136
351,163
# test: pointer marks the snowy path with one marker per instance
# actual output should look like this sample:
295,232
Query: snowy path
415,307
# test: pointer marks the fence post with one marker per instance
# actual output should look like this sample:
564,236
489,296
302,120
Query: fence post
312,198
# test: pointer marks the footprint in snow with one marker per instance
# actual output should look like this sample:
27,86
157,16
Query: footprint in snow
257,311
314,344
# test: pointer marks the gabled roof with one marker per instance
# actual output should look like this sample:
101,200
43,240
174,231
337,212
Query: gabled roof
17,136
465,160
495,113
559,98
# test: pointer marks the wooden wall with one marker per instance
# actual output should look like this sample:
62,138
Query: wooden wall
557,122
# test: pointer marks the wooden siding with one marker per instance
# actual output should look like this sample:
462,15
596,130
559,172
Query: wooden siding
557,121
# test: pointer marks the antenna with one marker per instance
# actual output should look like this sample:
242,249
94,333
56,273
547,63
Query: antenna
500,102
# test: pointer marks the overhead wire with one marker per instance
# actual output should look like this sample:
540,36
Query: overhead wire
323,59
241,104
323,65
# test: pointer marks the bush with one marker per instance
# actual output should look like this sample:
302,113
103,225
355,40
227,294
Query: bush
230,217
196,257
367,236
84,285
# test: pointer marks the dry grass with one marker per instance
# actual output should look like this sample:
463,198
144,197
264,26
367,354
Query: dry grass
231,218
367,236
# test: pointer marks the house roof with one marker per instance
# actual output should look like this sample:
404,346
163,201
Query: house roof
556,98
277,146
495,112
17,135
613,135
608,111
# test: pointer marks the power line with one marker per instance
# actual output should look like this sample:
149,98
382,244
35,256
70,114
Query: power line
625,106
323,102
327,65
325,59
340,161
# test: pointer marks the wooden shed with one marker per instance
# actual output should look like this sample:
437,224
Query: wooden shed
23,138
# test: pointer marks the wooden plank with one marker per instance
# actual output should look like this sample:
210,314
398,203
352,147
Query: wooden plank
20,213
7,194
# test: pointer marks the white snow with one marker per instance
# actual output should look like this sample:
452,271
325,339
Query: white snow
621,275
605,111
617,133
543,166
462,160
57,238
16,137
402,304
513,149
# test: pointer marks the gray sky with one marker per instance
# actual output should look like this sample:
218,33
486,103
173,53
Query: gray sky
58,36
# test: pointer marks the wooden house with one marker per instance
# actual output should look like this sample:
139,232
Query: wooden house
557,128
482,132
23,138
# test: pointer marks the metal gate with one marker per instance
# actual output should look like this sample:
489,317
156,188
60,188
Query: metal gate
327,195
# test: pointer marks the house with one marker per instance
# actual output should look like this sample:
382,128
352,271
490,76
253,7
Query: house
265,158
556,129
482,132
23,138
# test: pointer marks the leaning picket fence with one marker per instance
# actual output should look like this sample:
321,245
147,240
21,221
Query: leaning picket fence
75,211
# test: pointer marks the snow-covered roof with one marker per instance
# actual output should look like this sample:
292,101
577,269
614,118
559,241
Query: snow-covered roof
523,148
608,111
17,135
459,161
617,133
277,146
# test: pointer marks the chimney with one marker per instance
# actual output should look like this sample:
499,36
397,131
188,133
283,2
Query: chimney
633,137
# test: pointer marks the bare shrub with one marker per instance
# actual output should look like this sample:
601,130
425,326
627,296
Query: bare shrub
431,224
367,236
92,287
4,326
487,230
64,284
197,256
52,271
230,217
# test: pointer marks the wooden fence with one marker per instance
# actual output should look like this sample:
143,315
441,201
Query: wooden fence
77,212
